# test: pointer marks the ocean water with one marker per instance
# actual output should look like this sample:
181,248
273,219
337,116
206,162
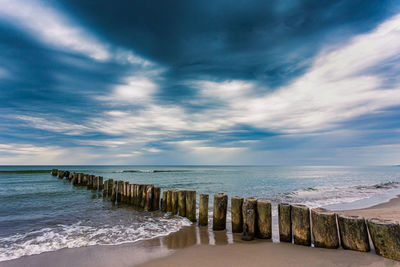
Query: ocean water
40,212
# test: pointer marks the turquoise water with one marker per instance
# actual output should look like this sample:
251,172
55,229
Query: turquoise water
42,213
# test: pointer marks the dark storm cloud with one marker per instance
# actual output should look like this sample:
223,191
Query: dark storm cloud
268,41
59,95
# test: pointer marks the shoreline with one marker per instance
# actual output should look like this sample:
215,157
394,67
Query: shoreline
200,246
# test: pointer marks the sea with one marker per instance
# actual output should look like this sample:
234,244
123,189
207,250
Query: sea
39,212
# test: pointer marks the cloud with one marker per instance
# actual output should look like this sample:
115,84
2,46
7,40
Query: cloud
338,87
54,28
251,86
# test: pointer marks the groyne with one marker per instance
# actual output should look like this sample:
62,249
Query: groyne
252,217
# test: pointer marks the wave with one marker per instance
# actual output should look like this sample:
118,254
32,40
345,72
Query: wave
82,234
330,195
27,171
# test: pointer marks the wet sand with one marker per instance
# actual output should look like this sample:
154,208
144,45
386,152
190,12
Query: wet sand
198,246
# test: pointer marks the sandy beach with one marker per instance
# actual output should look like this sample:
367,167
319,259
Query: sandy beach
196,246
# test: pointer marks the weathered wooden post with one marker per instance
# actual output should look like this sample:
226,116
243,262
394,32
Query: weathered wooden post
249,218
89,182
79,182
219,211
70,176
237,214
140,194
324,228
105,187
203,210
149,198
94,186
54,172
353,233
301,225
132,190
75,179
110,187
66,175
264,219
169,200
126,185
60,174
156,198
134,194
164,201
182,203
285,222
119,190
191,205
100,183
114,191
385,235
174,203
128,194
144,195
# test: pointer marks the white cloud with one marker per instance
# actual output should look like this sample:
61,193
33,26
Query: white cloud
54,125
339,86
50,26
134,90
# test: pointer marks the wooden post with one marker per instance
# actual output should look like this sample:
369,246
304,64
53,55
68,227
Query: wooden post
174,203
144,194
324,228
134,194
169,200
149,198
264,219
75,179
156,198
60,174
301,225
89,182
94,186
191,205
132,188
119,190
70,176
249,218
353,233
114,191
385,235
126,184
182,203
110,187
285,222
54,172
128,193
237,214
79,182
140,194
164,202
105,187
100,183
66,175
203,210
219,211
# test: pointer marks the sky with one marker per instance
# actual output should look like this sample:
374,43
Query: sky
200,82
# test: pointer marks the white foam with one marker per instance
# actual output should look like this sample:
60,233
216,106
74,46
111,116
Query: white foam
81,235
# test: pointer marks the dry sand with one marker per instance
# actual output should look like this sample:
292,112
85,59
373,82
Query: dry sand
191,247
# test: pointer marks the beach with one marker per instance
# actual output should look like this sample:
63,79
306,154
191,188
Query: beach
192,246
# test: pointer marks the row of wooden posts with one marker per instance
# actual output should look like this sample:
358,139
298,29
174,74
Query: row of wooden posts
253,217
